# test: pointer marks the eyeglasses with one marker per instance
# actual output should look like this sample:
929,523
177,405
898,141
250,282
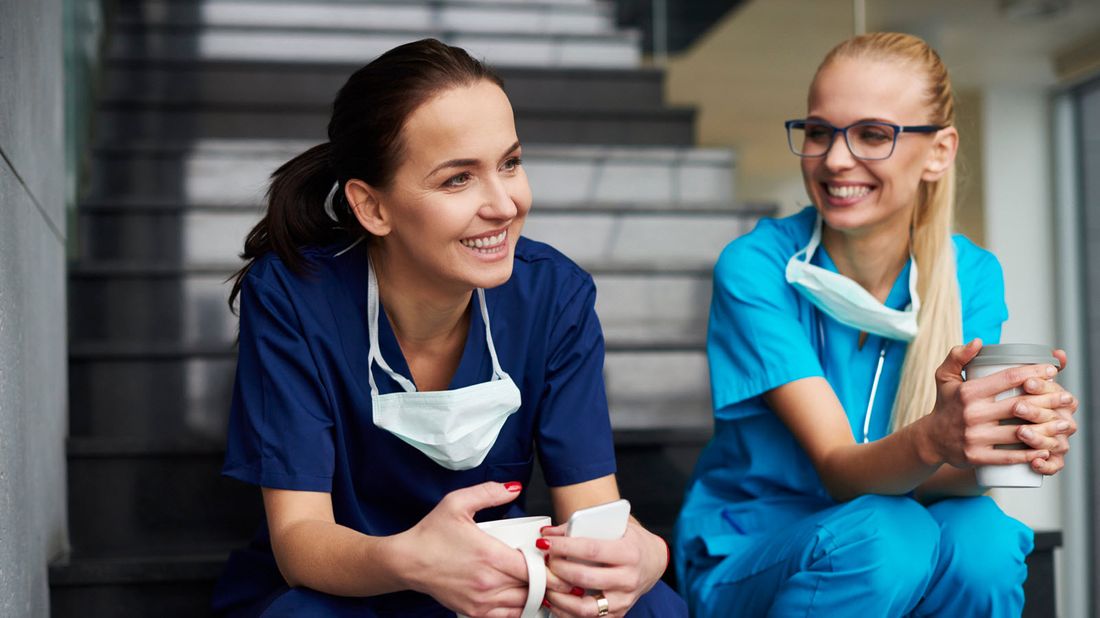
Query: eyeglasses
867,140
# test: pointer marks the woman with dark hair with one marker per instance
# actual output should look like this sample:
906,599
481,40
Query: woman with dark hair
403,355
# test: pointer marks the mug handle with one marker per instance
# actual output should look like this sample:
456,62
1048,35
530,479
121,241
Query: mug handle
536,583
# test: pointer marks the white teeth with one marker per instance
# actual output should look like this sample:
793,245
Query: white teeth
848,191
483,243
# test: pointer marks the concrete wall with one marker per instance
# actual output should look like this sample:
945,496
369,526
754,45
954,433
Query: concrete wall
33,382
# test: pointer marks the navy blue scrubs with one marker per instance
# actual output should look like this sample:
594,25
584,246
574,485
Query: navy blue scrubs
301,415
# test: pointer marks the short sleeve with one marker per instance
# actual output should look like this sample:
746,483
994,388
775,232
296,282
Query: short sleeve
981,291
280,428
755,339
574,433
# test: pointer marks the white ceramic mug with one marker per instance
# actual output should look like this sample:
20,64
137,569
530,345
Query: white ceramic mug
990,360
521,533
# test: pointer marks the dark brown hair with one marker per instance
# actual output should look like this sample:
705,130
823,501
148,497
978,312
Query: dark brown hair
364,142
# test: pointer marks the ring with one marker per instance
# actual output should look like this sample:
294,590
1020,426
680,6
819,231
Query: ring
601,605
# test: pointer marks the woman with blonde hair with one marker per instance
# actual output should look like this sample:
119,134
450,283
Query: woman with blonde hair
840,480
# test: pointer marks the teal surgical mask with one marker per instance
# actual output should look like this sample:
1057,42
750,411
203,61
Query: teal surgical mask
846,301
455,428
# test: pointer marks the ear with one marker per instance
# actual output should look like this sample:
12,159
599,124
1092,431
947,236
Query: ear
367,206
944,148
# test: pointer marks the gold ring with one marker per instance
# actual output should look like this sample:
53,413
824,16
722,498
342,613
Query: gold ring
601,605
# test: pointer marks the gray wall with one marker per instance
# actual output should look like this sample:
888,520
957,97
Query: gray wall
1088,101
33,379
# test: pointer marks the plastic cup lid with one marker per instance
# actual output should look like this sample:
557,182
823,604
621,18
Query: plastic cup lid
1014,354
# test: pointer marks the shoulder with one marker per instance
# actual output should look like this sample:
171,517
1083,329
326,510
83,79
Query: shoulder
767,248
973,264
542,272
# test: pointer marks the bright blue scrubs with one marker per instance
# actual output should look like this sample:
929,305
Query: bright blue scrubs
758,533
301,415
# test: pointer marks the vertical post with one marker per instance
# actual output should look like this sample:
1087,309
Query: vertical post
660,32
859,17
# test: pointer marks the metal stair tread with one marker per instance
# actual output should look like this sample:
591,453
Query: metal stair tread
133,204
76,570
626,35
719,157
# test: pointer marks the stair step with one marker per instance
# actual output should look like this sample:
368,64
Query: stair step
155,392
236,172
537,17
609,241
360,45
209,82
162,586
129,496
152,121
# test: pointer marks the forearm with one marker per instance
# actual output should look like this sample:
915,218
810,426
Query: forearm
894,465
337,560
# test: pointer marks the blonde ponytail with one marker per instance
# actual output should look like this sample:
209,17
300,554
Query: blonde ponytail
940,317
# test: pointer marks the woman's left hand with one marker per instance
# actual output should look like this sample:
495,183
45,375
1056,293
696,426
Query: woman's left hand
1052,426
622,571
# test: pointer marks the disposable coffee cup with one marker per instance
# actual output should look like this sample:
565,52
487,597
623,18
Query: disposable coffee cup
521,533
990,360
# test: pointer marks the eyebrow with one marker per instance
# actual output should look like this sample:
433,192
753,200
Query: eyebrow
467,162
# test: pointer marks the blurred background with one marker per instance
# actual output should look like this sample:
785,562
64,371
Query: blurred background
136,137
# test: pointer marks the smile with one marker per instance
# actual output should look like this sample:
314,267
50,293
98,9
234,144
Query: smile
847,191
486,244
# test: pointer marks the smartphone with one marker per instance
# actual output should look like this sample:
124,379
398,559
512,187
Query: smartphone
603,521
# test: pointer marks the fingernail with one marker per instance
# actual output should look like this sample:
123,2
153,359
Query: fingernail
577,591
1032,384
1051,371
1027,433
1062,426
513,486
1065,398
546,604
542,544
1021,408
543,529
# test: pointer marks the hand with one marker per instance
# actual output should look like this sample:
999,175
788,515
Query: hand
622,570
1051,408
965,424
465,569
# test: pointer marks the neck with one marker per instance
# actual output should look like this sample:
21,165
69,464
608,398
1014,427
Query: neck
871,258
424,316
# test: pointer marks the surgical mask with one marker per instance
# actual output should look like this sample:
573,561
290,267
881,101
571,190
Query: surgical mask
455,428
846,301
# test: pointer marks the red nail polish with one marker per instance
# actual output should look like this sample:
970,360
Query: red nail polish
542,544
513,486
546,604
577,591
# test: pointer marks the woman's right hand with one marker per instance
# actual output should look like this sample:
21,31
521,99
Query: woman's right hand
449,558
965,424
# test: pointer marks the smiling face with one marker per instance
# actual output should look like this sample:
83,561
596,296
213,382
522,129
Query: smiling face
858,196
452,214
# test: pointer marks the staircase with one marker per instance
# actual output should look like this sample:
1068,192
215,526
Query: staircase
201,100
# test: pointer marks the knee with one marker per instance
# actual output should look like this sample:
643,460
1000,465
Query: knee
893,539
981,548
660,601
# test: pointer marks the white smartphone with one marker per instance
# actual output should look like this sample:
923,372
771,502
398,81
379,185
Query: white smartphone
603,521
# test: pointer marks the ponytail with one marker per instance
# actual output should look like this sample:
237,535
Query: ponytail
295,215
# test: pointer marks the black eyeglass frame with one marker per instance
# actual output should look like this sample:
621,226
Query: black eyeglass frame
800,123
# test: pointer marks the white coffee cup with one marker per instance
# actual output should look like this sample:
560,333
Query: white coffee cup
521,533
990,360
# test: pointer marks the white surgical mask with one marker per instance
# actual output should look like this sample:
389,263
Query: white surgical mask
457,428
846,301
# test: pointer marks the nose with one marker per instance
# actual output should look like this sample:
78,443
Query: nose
498,203
839,156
